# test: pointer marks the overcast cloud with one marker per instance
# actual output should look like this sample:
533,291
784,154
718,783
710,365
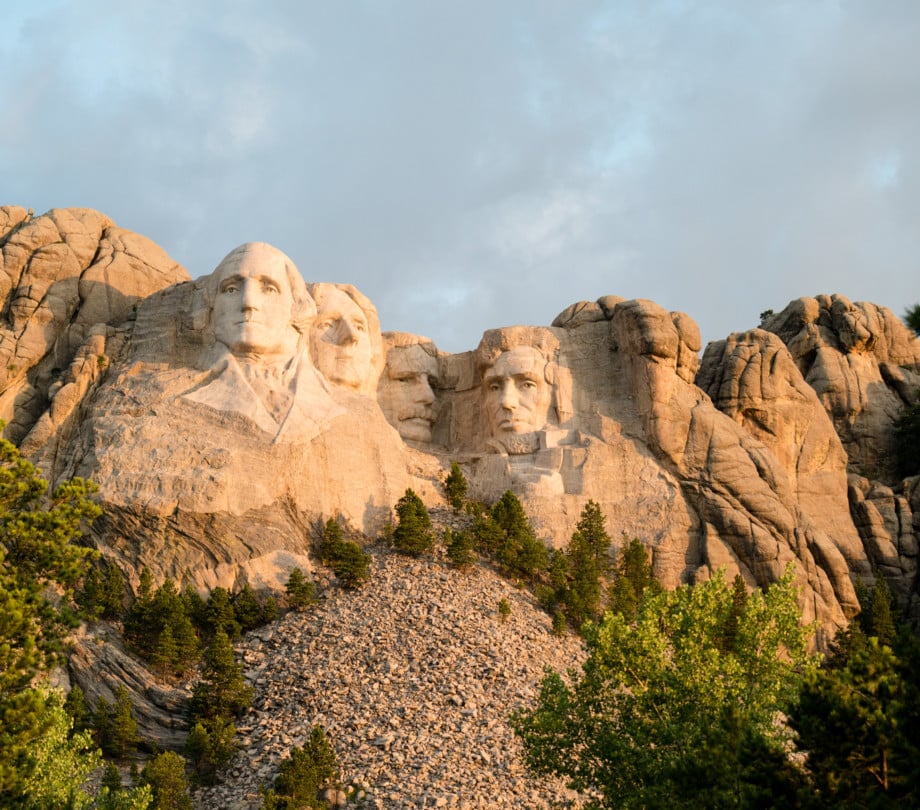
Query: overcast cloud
480,164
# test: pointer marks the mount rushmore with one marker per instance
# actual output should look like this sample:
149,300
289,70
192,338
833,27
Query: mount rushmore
222,417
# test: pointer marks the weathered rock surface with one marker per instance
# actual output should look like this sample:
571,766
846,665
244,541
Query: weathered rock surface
413,679
219,436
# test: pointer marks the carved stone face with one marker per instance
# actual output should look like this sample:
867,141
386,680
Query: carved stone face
252,310
516,395
406,392
341,340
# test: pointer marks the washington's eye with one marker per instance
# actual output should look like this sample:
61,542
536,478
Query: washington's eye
360,326
270,288
229,288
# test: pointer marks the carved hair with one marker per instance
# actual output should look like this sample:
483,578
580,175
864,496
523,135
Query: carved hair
496,342
303,310
405,340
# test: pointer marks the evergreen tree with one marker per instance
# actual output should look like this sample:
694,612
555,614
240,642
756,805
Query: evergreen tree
123,736
301,592
504,609
488,535
459,548
222,692
220,615
303,773
739,601
907,440
592,531
75,705
413,534
455,487
912,319
633,581
38,556
518,550
247,609
346,558
210,746
165,774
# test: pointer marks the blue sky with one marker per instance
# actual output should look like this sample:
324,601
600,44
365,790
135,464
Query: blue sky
480,164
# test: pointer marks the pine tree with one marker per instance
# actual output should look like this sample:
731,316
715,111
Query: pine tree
123,736
455,487
633,580
413,534
301,592
219,614
733,620
593,531
519,551
247,609
39,556
210,746
504,609
459,548
222,692
75,705
303,773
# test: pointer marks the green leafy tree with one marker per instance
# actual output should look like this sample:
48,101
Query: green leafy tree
300,592
633,580
487,534
165,774
912,319
222,691
504,609
459,548
303,773
412,534
658,698
455,487
60,764
159,629
38,555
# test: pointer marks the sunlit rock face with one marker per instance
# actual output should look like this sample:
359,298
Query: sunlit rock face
224,417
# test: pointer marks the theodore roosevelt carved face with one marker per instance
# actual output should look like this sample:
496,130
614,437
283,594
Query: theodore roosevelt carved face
516,392
407,390
255,305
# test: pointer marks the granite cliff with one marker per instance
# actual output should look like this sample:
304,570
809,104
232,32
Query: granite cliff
217,443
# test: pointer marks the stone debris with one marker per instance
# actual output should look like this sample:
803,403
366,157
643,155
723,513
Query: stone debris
413,678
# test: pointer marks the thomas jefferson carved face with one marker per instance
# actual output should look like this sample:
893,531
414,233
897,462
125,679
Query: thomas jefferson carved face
252,312
406,392
516,394
341,339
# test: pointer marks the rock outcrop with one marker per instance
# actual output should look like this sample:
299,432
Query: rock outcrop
224,417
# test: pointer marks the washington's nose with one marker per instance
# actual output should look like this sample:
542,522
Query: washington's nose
250,298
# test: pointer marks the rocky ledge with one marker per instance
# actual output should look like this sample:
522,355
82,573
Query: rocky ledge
413,678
